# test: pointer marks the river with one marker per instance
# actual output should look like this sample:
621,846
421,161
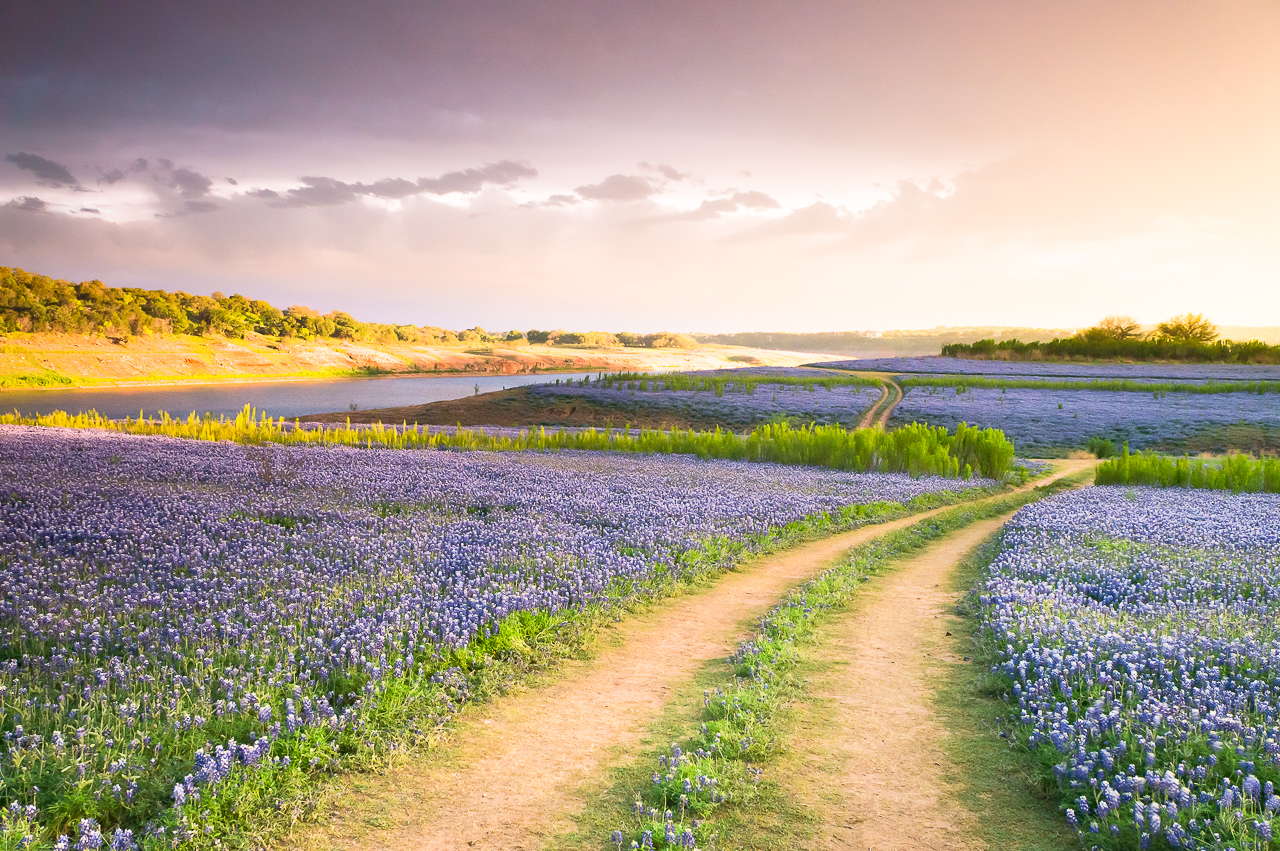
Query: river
276,398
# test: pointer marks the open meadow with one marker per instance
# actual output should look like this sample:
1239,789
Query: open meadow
192,627
599,426
1051,408
214,626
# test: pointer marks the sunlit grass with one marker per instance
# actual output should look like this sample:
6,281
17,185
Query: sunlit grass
915,449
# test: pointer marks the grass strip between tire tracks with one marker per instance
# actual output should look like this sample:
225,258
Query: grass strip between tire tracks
704,784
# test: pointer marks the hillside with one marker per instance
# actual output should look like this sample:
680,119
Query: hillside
55,333
63,360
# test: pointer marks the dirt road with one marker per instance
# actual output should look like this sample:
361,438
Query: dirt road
889,785
517,770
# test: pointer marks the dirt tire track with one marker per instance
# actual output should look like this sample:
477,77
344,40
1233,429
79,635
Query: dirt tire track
895,390
890,781
870,416
514,779
878,663
519,769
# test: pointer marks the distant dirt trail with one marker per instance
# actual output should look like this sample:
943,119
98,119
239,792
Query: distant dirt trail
894,390
890,395
520,768
869,418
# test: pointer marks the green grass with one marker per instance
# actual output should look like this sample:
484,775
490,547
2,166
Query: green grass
747,718
1238,473
1110,385
44,378
916,449
1018,811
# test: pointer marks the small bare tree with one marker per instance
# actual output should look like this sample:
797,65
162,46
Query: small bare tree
1119,328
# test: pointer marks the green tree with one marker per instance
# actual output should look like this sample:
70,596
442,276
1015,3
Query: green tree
1188,328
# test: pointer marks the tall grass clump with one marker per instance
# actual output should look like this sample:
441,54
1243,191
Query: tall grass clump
916,449
1238,473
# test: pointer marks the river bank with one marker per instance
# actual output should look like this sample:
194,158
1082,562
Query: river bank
32,361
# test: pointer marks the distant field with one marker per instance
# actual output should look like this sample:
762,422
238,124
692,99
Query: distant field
1171,407
735,399
1196,408
1040,419
965,366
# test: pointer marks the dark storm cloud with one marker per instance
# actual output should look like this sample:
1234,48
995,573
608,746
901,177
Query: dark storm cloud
118,174
190,184
328,191
618,187
505,173
47,172
28,204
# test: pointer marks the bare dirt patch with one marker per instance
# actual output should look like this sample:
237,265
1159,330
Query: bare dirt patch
160,359
889,777
895,396
869,418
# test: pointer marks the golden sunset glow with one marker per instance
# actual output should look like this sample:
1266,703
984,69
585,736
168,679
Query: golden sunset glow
711,167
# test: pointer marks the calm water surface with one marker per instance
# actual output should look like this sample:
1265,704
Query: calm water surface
277,398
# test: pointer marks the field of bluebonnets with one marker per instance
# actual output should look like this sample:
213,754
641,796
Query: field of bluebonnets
1058,369
737,398
1037,419
195,630
1048,406
1135,630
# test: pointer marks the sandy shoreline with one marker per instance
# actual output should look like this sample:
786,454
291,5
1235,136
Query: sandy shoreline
70,362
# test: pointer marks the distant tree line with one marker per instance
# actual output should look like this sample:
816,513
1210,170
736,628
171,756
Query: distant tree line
1189,337
38,303
825,341
903,342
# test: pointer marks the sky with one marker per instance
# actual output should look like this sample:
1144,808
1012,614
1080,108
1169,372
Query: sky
710,166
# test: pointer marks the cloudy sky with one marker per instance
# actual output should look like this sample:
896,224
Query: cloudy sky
694,166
